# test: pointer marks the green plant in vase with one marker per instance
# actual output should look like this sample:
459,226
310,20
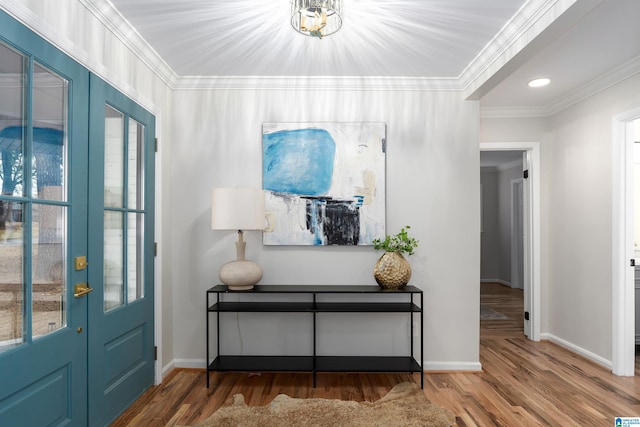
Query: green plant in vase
400,243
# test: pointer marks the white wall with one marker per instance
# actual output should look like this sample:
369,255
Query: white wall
580,300
432,185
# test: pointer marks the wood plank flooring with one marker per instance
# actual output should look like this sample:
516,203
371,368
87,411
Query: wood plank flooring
523,383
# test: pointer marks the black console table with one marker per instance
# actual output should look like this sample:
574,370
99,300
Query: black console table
314,363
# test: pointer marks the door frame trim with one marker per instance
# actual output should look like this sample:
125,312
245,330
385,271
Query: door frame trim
157,311
533,260
623,298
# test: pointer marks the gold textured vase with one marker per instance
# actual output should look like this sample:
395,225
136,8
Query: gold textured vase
392,271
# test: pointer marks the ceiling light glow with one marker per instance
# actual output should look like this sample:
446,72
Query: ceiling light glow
539,82
316,18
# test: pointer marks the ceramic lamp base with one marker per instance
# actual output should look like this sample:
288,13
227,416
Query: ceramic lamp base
240,275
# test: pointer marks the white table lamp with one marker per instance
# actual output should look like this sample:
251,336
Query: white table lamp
238,209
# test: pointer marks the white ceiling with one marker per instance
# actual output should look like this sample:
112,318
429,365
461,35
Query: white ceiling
435,38
591,43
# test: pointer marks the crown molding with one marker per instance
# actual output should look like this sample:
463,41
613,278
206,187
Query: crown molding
116,23
615,76
532,18
338,83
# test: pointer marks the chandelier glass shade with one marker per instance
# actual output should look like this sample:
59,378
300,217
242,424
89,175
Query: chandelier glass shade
316,18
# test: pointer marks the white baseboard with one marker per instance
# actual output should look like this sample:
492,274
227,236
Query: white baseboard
451,366
168,368
189,363
500,281
578,350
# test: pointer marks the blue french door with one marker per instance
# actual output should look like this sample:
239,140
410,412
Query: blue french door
43,229
121,222
76,239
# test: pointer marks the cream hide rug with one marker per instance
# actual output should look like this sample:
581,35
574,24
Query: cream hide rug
405,405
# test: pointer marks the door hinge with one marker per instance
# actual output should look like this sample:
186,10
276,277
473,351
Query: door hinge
526,174
526,315
156,145
155,249
632,262
155,353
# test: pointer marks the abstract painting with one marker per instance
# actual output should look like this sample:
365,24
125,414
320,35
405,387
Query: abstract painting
324,183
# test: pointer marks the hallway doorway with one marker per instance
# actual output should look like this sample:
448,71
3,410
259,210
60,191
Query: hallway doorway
527,170
502,241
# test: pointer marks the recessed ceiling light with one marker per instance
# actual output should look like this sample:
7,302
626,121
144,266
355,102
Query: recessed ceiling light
539,82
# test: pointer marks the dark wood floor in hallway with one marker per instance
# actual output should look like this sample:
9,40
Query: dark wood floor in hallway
523,383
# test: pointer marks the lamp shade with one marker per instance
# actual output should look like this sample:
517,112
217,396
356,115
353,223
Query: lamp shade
237,209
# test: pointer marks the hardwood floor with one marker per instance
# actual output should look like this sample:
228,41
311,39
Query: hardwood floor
523,383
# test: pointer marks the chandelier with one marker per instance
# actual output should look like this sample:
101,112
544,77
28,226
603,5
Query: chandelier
316,18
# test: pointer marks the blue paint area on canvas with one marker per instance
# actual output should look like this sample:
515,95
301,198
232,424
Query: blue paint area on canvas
298,161
315,210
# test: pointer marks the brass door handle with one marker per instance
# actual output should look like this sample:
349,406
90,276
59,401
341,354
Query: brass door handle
81,289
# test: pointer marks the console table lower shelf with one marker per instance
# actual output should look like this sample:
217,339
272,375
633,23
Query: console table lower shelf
322,364
315,363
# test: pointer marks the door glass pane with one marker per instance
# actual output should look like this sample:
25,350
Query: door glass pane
48,184
113,158
135,221
124,223
50,101
135,266
12,92
11,279
135,167
13,69
113,260
49,268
